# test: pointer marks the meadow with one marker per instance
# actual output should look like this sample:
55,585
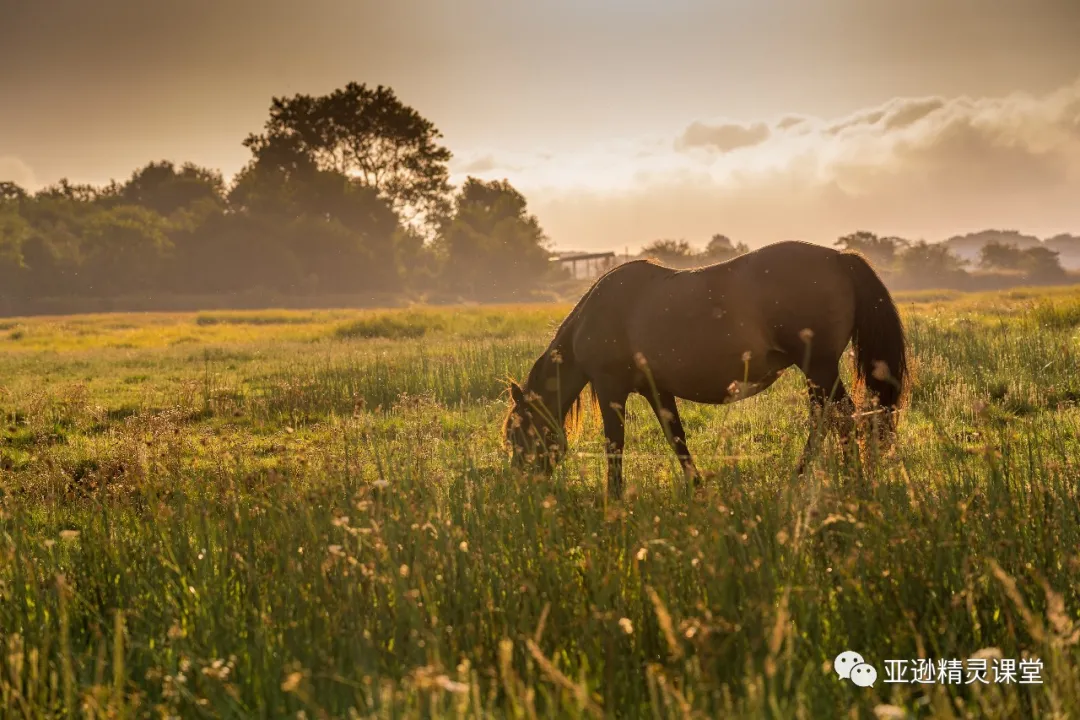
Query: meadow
311,514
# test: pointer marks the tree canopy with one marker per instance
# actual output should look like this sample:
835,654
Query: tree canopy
367,134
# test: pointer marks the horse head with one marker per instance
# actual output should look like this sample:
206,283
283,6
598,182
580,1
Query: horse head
532,432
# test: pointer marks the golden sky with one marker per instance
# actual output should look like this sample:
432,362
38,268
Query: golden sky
622,120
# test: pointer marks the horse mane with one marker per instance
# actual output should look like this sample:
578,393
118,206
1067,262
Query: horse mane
561,351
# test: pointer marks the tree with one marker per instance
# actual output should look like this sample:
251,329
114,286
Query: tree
671,252
881,251
123,249
161,187
11,192
492,245
417,261
14,231
1038,263
929,263
273,180
65,190
317,208
233,252
720,248
368,134
1044,264
1000,256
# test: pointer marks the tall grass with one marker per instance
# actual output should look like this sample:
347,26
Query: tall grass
328,526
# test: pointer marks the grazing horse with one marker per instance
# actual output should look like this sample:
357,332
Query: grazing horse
713,335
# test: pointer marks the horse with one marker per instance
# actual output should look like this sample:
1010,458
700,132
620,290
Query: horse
713,335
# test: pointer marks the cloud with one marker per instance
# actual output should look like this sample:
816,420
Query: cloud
789,122
921,167
481,164
722,137
12,169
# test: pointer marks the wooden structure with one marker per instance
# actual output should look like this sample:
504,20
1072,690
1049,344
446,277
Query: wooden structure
585,266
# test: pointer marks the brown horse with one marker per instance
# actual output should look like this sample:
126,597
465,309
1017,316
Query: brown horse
712,335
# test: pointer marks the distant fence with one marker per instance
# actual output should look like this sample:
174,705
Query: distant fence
585,266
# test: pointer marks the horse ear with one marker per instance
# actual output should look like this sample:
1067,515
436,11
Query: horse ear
517,394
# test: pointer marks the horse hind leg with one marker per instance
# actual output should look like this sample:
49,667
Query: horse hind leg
831,408
667,413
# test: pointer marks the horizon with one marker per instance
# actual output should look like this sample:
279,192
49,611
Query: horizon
620,125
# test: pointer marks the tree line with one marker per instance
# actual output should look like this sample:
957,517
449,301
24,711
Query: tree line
343,194
904,263
924,264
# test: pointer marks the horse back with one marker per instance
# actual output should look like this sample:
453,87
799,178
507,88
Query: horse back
780,290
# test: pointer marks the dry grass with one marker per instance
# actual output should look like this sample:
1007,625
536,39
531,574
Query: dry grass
257,514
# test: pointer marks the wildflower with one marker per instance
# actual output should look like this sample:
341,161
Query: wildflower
69,534
626,625
464,547
292,682
449,685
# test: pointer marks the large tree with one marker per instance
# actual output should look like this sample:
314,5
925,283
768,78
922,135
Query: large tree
335,225
369,134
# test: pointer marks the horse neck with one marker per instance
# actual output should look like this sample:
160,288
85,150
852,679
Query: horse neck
566,382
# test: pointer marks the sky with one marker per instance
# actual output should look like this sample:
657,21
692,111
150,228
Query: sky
621,121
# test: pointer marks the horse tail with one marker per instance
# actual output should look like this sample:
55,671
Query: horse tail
881,362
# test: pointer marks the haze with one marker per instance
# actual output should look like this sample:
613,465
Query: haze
622,122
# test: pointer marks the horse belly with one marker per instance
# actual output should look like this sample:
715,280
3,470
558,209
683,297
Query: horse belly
710,370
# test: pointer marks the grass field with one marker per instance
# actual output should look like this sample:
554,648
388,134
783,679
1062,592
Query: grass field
311,514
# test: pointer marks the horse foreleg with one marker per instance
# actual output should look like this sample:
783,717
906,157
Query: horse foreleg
667,413
612,409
